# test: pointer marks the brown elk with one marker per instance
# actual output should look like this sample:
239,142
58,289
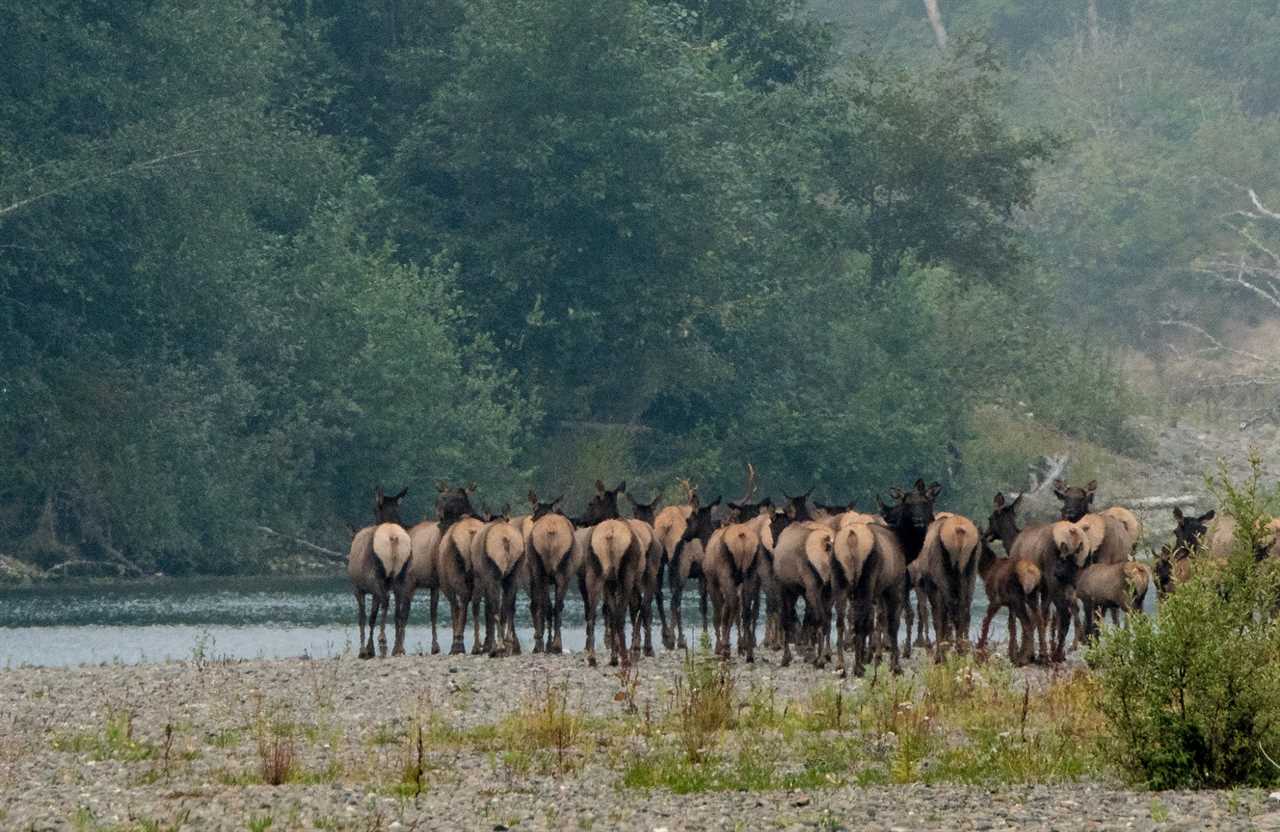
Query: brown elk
1114,586
497,558
669,526
378,556
851,548
549,544
949,555
1060,550
421,574
1012,583
686,563
731,570
614,557
454,566
878,597
649,583
800,567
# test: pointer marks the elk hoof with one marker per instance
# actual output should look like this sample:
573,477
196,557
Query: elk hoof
457,650
591,661
684,645
555,649
896,669
366,653
399,651
648,651
435,648
786,660
537,647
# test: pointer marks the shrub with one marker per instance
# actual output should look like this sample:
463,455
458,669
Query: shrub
1192,696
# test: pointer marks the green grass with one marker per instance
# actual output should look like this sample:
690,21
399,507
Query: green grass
113,741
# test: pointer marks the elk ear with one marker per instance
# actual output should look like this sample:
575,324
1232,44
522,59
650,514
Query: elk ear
1060,489
599,486
714,502
400,496
896,493
657,501
533,498
998,502
556,500
1017,501
471,487
442,486
1177,513
1208,515
934,490
919,485
622,486
1091,487
880,504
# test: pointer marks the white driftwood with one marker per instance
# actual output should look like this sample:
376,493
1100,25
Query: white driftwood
330,553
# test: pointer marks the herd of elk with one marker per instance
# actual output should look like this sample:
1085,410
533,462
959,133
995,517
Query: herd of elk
851,570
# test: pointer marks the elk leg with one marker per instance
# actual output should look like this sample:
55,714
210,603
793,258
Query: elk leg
460,604
750,609
986,627
561,587
379,603
925,600
404,598
1063,624
589,613
435,600
702,602
508,619
538,604
786,612
646,616
662,612
677,600
477,647
360,619
490,619
939,624
892,614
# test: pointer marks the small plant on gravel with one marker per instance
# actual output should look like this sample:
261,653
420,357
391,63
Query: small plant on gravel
704,702
114,742
1192,695
259,824
276,758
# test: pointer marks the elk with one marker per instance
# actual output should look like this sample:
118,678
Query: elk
851,547
614,556
649,584
909,518
669,525
1013,583
948,575
421,574
497,558
690,533
879,595
731,571
378,556
454,565
1104,586
801,568
549,549
1060,550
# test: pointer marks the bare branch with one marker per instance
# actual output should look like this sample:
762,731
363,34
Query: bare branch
1257,203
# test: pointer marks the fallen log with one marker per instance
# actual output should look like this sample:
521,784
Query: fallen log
329,553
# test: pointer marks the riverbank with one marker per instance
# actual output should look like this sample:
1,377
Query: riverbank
543,742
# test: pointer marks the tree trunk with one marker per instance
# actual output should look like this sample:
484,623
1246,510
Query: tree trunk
935,20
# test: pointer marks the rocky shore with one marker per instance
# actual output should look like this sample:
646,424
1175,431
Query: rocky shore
528,742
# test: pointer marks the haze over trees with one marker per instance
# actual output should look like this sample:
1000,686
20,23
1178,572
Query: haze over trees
258,257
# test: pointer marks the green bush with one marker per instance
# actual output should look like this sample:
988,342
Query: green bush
1192,695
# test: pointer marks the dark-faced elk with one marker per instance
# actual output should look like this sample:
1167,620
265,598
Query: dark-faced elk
910,517
1076,501
1111,586
685,562
378,556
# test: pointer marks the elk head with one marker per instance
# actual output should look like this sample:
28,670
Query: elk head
541,509
604,505
797,508
915,507
454,503
1189,531
1076,502
387,509
701,523
1002,525
644,511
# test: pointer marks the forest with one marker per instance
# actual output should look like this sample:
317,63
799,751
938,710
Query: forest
258,257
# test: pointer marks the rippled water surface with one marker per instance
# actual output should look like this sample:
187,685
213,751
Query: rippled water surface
146,621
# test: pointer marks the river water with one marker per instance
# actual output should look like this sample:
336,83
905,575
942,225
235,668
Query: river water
271,617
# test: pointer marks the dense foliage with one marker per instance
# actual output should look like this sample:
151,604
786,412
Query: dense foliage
1192,695
256,257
